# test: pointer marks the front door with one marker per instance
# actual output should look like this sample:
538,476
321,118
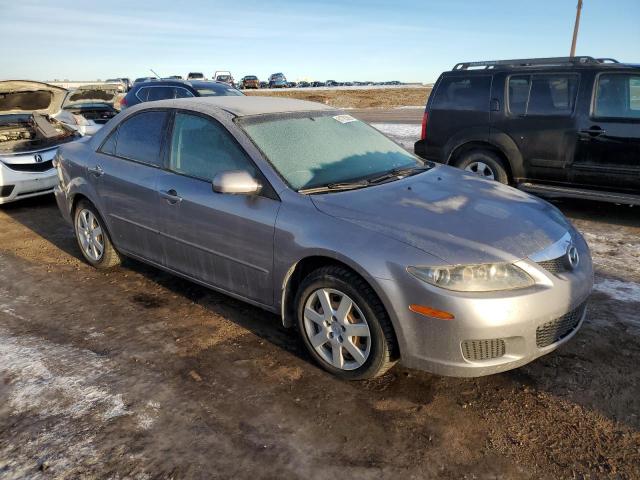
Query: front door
608,157
223,240
126,173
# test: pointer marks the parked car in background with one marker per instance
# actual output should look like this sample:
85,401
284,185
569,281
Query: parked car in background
292,84
144,79
29,137
250,81
277,80
317,84
120,84
331,83
303,210
264,84
224,77
195,76
303,84
173,77
560,127
90,106
166,89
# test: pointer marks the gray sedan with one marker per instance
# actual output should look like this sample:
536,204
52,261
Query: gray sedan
374,255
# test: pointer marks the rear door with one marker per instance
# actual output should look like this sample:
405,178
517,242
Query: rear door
609,137
539,117
221,239
127,169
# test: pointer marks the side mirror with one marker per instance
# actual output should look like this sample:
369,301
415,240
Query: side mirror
239,182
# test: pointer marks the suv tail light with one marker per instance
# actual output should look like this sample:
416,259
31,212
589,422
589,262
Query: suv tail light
425,120
123,102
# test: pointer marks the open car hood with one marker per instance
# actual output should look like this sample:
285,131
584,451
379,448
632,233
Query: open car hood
95,93
24,96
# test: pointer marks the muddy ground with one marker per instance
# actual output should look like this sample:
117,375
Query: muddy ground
135,373
360,98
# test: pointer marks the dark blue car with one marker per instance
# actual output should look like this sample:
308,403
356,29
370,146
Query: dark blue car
167,89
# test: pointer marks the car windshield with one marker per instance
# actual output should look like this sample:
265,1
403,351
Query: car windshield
319,150
223,78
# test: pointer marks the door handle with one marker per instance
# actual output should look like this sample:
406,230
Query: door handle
171,196
593,131
96,171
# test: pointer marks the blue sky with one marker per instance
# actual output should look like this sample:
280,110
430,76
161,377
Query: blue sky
412,40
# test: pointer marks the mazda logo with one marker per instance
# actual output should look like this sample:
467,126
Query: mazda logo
573,258
38,158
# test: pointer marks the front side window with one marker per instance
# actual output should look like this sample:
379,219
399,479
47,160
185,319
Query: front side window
140,137
202,148
317,150
618,96
463,93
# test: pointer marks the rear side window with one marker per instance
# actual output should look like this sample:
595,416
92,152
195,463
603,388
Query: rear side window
463,93
202,148
140,137
109,147
160,93
542,94
618,96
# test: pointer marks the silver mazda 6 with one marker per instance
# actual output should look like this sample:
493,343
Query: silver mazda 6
374,255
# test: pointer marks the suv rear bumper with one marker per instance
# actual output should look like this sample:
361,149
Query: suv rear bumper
424,150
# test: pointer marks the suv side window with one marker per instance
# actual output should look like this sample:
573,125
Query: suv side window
542,94
182,93
160,93
140,137
617,96
463,93
202,148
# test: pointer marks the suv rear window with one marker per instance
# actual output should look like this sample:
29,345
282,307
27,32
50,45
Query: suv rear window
618,96
463,93
542,94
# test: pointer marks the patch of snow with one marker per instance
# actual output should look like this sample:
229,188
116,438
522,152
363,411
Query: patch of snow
405,134
619,290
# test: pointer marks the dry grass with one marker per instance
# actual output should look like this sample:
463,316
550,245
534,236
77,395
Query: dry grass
360,98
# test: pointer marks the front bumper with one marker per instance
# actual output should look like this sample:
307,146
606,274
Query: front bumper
19,184
491,332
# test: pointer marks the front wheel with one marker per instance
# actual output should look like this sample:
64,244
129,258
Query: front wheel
92,237
343,324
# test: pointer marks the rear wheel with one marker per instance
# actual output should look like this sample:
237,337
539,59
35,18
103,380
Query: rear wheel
92,237
485,164
343,324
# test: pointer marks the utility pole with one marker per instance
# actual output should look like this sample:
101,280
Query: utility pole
575,29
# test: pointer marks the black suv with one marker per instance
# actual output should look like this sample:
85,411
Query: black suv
563,127
166,89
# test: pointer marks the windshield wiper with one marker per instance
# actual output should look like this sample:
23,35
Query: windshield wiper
335,187
399,173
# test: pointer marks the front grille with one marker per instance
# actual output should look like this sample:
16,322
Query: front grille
483,349
555,330
31,167
557,265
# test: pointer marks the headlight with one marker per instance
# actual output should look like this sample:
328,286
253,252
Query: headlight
474,278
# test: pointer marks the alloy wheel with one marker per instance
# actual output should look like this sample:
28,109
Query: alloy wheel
481,169
337,329
90,235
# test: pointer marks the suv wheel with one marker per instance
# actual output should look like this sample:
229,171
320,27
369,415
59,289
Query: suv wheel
92,237
343,324
485,164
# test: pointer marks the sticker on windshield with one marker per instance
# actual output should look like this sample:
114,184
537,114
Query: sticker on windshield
345,118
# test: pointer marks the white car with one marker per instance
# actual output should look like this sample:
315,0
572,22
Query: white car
30,135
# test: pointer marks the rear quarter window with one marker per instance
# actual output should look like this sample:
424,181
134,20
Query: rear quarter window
463,93
140,137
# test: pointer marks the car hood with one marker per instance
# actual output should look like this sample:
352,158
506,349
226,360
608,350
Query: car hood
99,93
23,96
453,215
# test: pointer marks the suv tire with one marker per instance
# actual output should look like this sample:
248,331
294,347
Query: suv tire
370,349
485,164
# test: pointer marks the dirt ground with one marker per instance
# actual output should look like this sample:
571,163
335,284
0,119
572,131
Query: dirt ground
361,98
134,373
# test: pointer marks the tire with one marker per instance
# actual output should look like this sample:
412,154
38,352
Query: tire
86,221
484,163
378,351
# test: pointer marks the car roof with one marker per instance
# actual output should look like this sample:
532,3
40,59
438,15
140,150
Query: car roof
242,106
176,82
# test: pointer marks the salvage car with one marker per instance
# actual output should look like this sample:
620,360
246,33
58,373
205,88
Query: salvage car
94,103
250,81
165,89
29,137
296,207
224,76
278,80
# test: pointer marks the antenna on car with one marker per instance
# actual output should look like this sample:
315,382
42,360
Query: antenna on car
157,76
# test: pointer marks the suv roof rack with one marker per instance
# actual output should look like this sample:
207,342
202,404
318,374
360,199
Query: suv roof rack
529,62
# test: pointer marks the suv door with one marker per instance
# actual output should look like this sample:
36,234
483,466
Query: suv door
223,240
608,156
539,117
127,171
